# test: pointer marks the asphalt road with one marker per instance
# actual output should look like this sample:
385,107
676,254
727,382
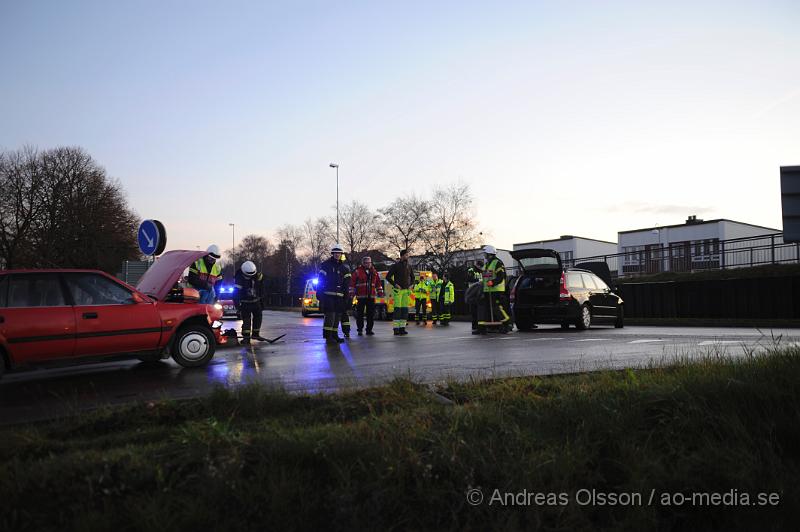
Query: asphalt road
303,362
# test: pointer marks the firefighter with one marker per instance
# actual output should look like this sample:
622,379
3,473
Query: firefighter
365,286
494,291
435,288
447,296
422,294
205,273
331,294
400,276
474,275
248,299
347,308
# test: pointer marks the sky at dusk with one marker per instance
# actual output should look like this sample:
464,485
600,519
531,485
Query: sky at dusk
582,118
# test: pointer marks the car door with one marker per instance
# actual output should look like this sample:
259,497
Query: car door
109,318
36,321
603,300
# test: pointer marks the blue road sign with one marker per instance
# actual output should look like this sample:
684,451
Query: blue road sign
149,237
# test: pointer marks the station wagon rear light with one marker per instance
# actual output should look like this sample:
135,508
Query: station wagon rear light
563,293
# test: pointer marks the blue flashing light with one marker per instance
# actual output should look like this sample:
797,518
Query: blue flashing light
226,290
315,281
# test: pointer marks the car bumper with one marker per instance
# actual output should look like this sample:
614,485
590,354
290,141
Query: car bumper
548,313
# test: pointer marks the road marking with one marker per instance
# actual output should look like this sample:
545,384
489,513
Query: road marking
592,340
644,341
541,339
716,342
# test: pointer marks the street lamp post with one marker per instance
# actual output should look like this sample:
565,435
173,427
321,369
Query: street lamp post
233,246
334,165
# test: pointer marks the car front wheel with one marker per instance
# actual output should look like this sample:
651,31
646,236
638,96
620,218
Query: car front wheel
194,346
585,319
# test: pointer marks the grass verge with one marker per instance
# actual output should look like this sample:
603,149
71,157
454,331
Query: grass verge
399,457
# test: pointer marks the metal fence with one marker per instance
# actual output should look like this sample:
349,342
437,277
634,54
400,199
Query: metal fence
699,255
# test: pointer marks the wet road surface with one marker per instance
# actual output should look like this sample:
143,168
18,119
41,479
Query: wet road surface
302,362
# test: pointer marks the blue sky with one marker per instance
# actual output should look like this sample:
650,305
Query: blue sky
565,117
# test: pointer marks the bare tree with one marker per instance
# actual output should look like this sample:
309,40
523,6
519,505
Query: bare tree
253,248
21,183
317,239
291,238
75,216
403,223
359,228
453,225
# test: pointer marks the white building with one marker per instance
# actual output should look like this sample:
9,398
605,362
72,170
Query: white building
572,247
468,257
697,244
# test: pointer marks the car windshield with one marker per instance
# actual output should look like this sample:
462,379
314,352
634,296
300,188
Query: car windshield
539,263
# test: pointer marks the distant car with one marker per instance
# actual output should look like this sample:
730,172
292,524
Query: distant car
310,303
547,293
225,293
68,316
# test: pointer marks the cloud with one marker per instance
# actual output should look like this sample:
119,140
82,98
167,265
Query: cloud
640,207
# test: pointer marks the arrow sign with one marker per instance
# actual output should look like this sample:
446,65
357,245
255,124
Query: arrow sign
152,237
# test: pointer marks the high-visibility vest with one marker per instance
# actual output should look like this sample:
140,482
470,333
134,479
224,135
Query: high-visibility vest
436,289
204,274
421,290
449,293
489,274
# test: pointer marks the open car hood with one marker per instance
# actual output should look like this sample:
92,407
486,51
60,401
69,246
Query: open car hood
538,259
167,271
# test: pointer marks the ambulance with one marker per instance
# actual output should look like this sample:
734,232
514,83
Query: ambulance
309,304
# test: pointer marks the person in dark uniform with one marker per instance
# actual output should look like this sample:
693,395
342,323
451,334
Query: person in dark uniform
248,299
474,275
331,293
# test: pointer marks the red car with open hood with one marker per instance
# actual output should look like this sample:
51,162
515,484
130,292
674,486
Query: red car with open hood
58,316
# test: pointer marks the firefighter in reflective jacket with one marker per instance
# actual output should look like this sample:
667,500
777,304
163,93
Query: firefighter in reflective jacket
248,295
205,273
422,294
435,285
494,290
447,296
331,293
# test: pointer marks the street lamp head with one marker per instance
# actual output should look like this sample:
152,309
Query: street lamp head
333,165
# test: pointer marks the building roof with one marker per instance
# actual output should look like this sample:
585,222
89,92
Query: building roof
698,222
564,238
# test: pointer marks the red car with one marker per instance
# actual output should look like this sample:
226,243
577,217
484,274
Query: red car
56,316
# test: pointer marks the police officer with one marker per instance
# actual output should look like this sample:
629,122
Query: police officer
205,273
494,291
248,299
331,293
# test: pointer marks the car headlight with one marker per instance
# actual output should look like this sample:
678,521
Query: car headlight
216,325
217,306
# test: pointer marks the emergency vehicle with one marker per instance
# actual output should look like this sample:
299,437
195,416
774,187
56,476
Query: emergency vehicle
309,304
